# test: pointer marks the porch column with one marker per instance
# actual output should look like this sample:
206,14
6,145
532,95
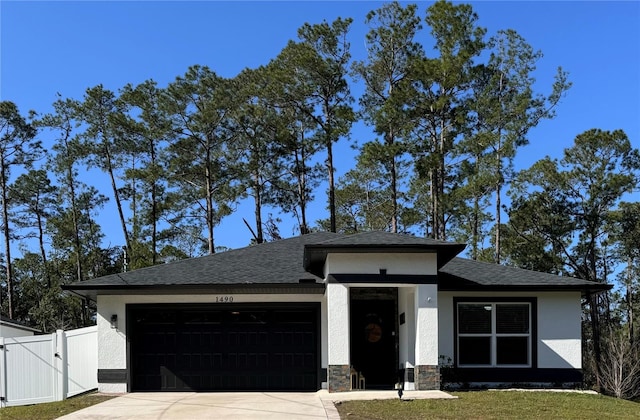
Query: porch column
338,372
426,373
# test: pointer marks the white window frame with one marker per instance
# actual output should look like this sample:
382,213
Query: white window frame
494,335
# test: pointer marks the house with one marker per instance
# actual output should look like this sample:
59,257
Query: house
13,328
334,311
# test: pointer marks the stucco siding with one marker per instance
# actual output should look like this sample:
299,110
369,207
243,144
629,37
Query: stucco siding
558,321
338,324
426,307
559,331
112,342
372,263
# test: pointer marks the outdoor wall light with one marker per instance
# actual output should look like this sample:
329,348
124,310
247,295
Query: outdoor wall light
114,321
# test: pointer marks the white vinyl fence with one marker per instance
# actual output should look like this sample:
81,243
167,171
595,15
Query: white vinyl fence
47,368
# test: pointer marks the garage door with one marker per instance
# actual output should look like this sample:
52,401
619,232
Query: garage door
230,347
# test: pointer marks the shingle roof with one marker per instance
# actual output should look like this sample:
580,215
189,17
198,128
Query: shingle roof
464,274
315,253
277,262
288,265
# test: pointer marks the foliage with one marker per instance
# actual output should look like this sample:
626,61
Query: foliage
146,130
312,88
364,204
199,160
620,366
440,107
18,149
505,109
391,49
563,212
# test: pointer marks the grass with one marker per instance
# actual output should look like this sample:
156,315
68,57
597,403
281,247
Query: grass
469,405
494,405
52,410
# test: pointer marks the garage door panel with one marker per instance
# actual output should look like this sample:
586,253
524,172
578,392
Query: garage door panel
240,347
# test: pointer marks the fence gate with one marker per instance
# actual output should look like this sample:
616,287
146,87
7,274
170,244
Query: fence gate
47,368
81,347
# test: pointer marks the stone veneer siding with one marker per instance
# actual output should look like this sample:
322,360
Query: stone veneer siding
339,378
427,377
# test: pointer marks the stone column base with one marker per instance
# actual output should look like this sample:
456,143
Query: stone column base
427,377
339,378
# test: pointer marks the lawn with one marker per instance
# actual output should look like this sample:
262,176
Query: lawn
52,410
495,405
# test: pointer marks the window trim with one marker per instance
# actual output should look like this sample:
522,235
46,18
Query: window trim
533,335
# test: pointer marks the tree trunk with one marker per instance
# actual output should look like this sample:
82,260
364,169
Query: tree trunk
498,221
300,163
154,209
474,229
595,336
442,233
630,315
394,196
499,182
257,196
390,140
76,228
332,192
629,301
434,203
154,224
135,228
7,238
209,200
499,178
116,196
43,253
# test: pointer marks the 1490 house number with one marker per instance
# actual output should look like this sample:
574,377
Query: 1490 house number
224,299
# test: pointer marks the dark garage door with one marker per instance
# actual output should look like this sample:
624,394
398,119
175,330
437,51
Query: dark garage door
227,347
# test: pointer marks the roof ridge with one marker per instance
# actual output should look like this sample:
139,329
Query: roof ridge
366,233
384,232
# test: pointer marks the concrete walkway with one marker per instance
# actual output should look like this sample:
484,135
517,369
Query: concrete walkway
234,405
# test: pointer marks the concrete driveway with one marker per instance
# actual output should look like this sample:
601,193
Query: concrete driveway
233,405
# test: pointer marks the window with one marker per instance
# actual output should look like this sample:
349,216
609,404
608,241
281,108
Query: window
494,334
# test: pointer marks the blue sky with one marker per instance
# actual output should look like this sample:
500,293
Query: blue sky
67,47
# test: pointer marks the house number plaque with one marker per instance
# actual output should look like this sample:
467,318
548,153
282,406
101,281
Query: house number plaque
224,299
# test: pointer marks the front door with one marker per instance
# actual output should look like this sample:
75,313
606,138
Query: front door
374,337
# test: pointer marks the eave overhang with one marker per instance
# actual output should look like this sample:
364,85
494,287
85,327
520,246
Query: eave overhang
448,283
92,291
382,278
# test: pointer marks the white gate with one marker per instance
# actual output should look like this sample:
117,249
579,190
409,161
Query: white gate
82,360
48,367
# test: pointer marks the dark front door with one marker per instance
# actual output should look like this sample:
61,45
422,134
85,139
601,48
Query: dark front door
223,347
373,341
